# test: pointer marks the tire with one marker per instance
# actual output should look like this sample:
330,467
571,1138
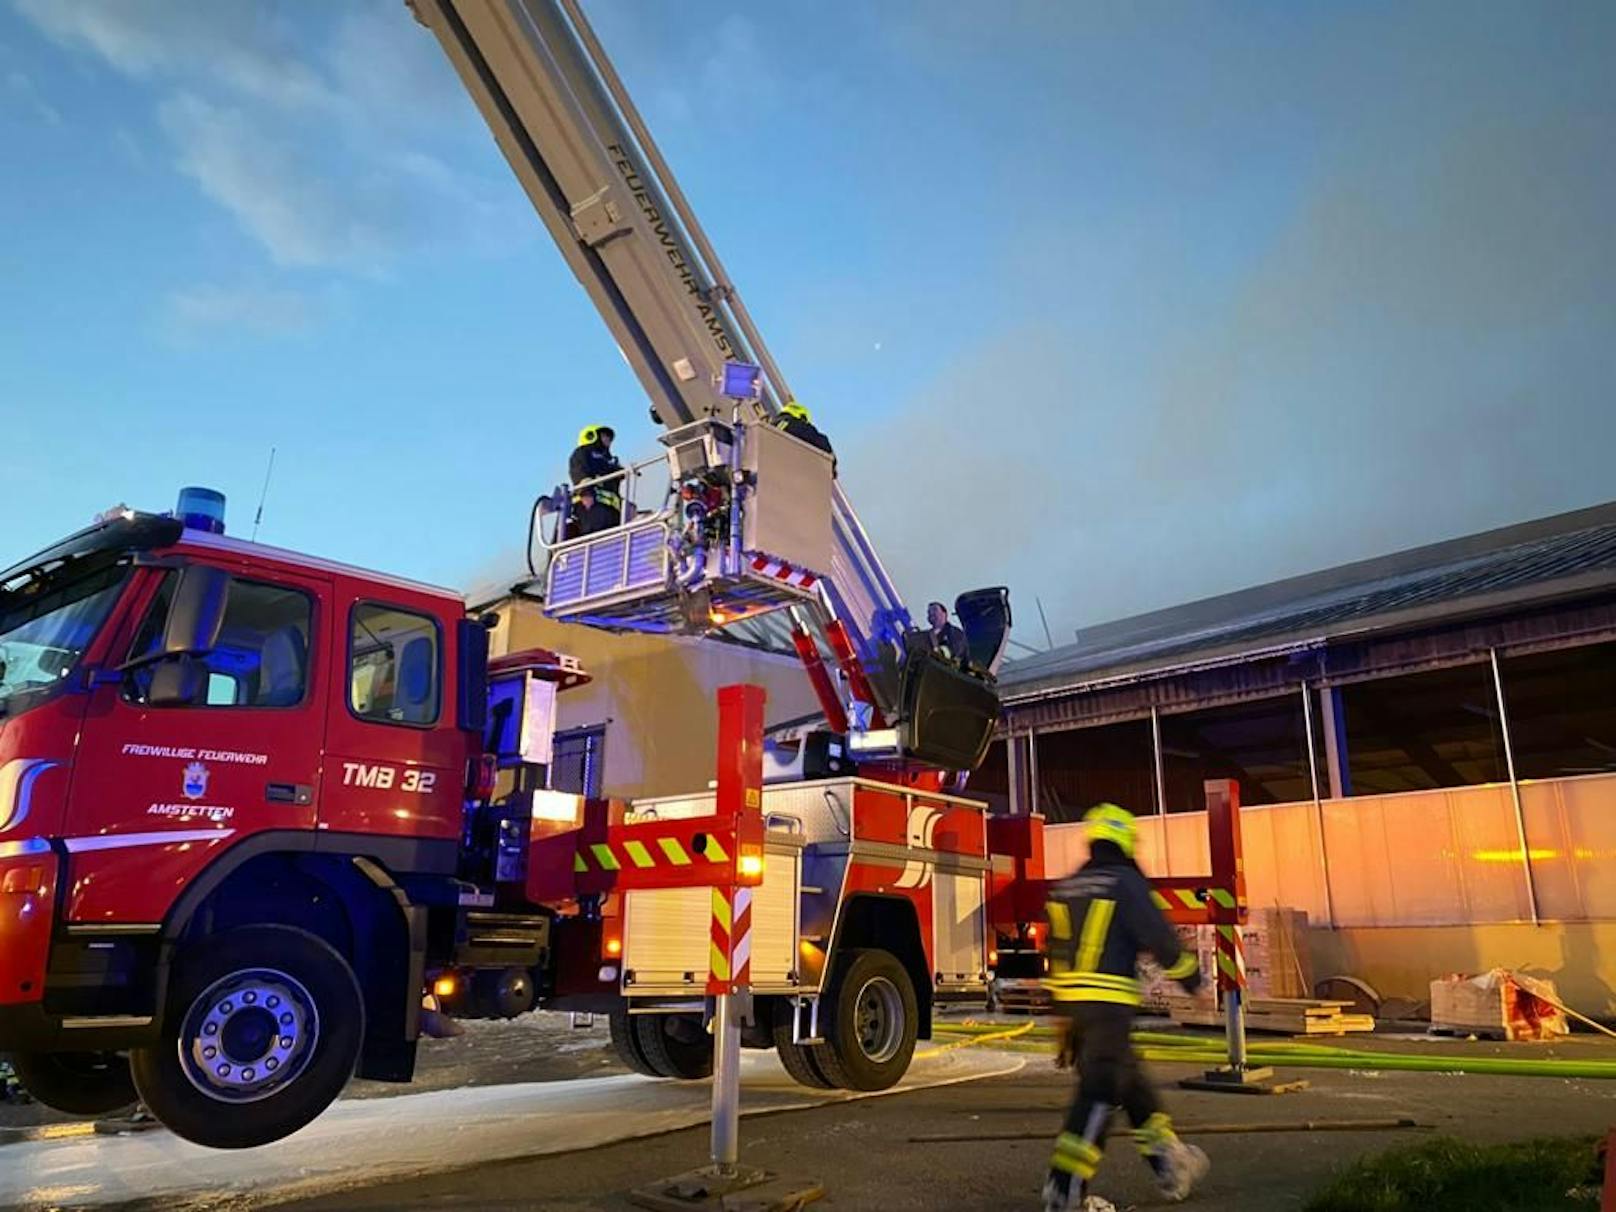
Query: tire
798,1059
76,1083
626,1043
252,1086
872,1020
675,1045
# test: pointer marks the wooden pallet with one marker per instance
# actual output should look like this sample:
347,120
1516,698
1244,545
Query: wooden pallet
1280,1016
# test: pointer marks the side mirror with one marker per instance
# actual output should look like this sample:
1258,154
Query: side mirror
196,613
177,681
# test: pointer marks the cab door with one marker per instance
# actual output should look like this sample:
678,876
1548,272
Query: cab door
158,791
396,762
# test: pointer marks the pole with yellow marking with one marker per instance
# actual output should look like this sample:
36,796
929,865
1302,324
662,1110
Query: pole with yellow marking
1227,911
740,797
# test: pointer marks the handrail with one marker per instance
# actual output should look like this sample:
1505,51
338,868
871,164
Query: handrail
630,476
846,813
644,519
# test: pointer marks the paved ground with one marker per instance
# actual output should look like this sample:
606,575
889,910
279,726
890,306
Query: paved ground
864,1151
533,1048
865,1154
363,1142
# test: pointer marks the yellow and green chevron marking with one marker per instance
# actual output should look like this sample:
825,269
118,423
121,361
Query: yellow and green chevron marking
641,855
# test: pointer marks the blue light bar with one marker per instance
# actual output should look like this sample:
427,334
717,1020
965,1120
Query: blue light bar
742,381
201,509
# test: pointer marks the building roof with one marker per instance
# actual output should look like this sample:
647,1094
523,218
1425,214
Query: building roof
1552,559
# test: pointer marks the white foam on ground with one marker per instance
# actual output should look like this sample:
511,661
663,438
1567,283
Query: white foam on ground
359,1142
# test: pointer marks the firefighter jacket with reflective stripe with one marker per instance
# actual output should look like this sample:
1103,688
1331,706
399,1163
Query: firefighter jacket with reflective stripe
1100,920
590,463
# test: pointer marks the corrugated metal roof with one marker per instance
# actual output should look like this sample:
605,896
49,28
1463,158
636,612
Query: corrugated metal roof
1567,555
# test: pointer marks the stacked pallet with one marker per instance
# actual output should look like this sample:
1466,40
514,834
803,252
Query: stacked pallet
1279,1015
1497,1005
1277,962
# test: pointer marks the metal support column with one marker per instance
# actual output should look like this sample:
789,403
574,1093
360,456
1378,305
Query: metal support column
1012,776
1335,742
1514,785
1156,752
1318,803
1161,787
1032,769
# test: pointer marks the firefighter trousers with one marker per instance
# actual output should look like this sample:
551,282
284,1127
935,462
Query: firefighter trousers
1109,1076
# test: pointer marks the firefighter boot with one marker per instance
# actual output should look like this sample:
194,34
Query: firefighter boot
1177,1166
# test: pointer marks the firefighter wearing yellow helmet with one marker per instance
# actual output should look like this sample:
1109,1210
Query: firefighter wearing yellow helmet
1100,919
598,504
799,423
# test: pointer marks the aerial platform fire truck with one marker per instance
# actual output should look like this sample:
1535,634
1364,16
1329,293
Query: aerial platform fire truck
265,818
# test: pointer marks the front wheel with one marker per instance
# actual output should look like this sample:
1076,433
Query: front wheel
873,1020
263,1031
77,1083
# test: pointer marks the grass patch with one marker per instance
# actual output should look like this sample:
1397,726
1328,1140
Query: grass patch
1448,1175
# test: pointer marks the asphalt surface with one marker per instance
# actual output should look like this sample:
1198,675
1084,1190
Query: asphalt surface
533,1048
866,1156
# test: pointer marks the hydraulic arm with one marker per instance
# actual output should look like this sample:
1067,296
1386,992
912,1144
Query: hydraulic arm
560,114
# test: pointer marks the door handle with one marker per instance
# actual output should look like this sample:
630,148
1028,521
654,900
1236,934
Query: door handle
289,793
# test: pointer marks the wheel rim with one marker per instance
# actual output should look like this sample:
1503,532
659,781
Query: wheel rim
878,1019
248,1035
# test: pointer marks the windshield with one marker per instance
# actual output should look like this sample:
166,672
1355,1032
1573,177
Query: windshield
47,622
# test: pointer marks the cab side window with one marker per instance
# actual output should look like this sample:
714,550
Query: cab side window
261,659
395,665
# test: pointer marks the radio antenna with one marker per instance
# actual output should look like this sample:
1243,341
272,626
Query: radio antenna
264,495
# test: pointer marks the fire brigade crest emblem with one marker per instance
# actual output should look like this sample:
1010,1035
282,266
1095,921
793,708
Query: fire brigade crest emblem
195,785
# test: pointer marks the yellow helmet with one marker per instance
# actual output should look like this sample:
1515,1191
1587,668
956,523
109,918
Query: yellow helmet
794,409
1108,823
590,434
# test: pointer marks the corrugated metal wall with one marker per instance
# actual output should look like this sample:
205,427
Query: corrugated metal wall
1449,857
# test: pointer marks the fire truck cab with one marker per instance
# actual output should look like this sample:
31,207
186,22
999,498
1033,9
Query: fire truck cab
232,789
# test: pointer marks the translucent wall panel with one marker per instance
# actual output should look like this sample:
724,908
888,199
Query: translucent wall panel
1435,858
1571,833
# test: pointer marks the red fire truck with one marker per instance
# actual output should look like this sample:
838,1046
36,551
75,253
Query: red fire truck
252,810
246,826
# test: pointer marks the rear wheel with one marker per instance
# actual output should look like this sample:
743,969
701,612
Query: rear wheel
797,1059
263,1031
872,1022
626,1043
676,1045
77,1083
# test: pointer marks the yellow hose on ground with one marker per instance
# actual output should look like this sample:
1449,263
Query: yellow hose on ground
988,1037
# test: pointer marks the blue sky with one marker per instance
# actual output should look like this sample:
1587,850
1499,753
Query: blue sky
1121,304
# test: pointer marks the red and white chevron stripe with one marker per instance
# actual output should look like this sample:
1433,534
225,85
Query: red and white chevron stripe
741,956
781,571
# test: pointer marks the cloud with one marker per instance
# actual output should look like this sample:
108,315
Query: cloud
22,88
206,311
288,203
1420,349
328,138
247,47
